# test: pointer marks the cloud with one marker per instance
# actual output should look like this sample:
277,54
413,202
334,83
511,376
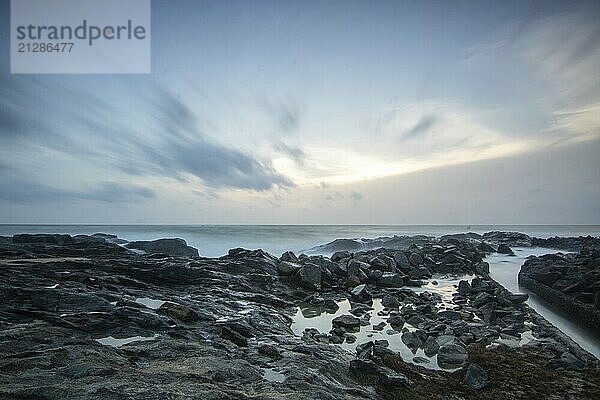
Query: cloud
421,127
168,142
181,148
286,115
23,191
294,152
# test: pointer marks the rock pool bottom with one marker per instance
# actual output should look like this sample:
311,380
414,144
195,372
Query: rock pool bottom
310,316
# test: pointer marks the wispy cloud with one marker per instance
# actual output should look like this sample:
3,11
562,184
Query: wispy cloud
24,191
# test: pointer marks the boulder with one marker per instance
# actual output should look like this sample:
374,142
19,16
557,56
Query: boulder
452,355
391,280
476,377
309,276
504,249
360,294
347,322
289,256
171,247
287,268
390,301
412,340
415,260
485,248
431,346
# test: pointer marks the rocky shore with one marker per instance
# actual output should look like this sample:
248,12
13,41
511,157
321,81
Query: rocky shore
96,317
570,282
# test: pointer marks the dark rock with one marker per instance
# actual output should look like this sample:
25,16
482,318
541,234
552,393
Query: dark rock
172,247
390,301
504,249
476,376
270,351
233,336
431,346
287,268
289,256
452,355
360,294
391,280
309,276
486,248
518,298
412,340
177,311
347,322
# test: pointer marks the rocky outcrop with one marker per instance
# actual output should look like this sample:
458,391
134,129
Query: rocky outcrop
569,282
170,247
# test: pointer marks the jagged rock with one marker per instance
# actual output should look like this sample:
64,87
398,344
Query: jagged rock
360,294
309,276
289,256
287,268
412,340
486,248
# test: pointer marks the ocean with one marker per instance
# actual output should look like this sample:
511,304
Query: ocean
216,240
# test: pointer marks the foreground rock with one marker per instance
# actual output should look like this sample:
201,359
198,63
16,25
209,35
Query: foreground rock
85,318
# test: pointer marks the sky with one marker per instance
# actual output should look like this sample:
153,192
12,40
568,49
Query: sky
318,112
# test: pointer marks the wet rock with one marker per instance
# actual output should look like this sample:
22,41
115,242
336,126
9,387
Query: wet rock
420,360
347,322
518,298
380,326
340,255
431,346
464,288
412,340
309,276
172,247
504,249
476,377
391,280
567,361
452,355
270,351
396,322
485,247
177,311
416,260
289,256
331,305
287,268
389,301
385,377
360,294
482,268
